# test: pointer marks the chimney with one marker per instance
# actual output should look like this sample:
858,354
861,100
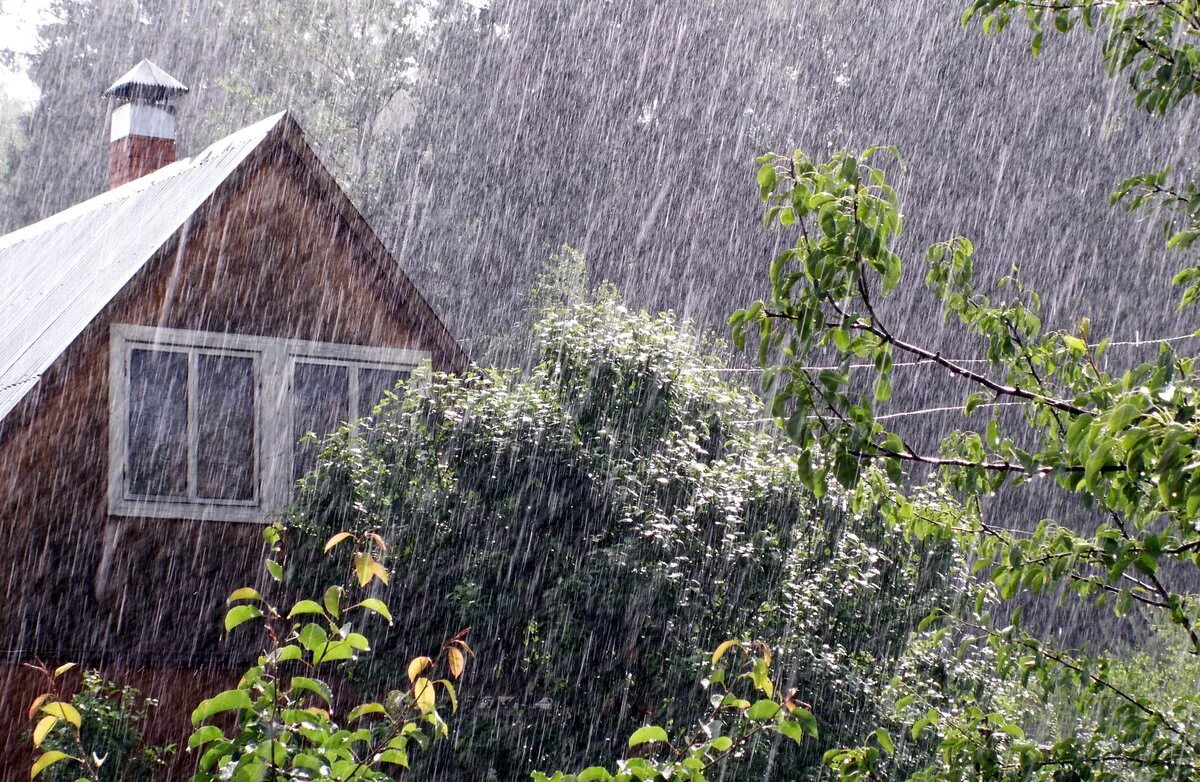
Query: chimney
142,138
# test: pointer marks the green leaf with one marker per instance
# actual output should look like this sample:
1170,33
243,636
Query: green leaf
397,756
807,721
245,593
358,712
764,710
647,733
593,774
885,741
333,652
315,686
378,606
225,701
333,601
306,607
883,390
204,735
275,569
1076,344
313,637
790,729
891,274
239,615
283,654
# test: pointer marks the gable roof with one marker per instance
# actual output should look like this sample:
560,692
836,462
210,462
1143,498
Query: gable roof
58,275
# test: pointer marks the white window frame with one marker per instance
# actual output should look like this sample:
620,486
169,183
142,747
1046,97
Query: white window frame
273,359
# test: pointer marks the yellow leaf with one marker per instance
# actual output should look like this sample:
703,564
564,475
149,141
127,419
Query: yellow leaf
64,711
417,666
424,695
46,760
362,567
379,571
450,693
457,662
37,704
378,541
60,670
336,539
44,726
722,649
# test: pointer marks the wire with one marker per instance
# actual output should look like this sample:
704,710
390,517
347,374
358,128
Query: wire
951,408
925,361
905,413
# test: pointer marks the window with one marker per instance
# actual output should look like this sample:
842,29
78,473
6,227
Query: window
325,393
207,425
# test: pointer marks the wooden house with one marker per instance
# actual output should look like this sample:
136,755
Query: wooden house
163,346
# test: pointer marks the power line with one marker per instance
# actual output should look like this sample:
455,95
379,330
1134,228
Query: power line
928,361
950,408
906,413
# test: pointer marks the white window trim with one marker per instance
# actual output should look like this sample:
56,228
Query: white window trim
273,446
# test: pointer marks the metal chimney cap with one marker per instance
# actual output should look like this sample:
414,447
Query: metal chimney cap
145,81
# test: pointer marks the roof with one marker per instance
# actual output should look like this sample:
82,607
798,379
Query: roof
148,81
59,274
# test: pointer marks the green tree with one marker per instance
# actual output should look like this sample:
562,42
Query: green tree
601,520
1055,409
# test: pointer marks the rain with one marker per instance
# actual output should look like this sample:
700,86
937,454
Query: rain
410,321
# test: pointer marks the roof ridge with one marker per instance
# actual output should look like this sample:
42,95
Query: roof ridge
136,186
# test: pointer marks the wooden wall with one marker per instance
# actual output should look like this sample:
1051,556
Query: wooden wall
271,257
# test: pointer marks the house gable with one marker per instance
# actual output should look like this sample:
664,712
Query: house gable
276,252
58,275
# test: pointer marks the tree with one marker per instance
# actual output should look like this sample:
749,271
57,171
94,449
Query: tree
603,520
344,68
1059,411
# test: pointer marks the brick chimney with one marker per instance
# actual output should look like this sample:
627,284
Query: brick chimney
142,138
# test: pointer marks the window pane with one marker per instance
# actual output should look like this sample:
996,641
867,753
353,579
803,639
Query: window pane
320,401
372,383
157,455
225,455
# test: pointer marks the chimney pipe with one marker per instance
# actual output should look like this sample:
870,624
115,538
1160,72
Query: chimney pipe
142,137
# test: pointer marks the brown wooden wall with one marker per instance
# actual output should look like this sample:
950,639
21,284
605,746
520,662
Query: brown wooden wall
272,257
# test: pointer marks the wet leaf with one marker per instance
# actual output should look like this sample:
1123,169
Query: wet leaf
46,760
230,700
44,726
336,539
417,666
646,734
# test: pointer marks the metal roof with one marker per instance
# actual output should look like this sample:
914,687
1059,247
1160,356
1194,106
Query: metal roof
145,80
58,274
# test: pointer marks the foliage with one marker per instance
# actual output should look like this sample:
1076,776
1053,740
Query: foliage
729,731
97,733
285,726
1123,441
361,64
599,520
278,722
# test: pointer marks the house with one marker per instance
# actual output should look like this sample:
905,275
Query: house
163,346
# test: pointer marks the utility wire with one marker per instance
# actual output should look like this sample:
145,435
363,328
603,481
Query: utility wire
926,361
905,413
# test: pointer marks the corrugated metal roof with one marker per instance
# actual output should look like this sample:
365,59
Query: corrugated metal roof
57,275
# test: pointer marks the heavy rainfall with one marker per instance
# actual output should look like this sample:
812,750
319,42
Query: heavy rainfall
609,390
